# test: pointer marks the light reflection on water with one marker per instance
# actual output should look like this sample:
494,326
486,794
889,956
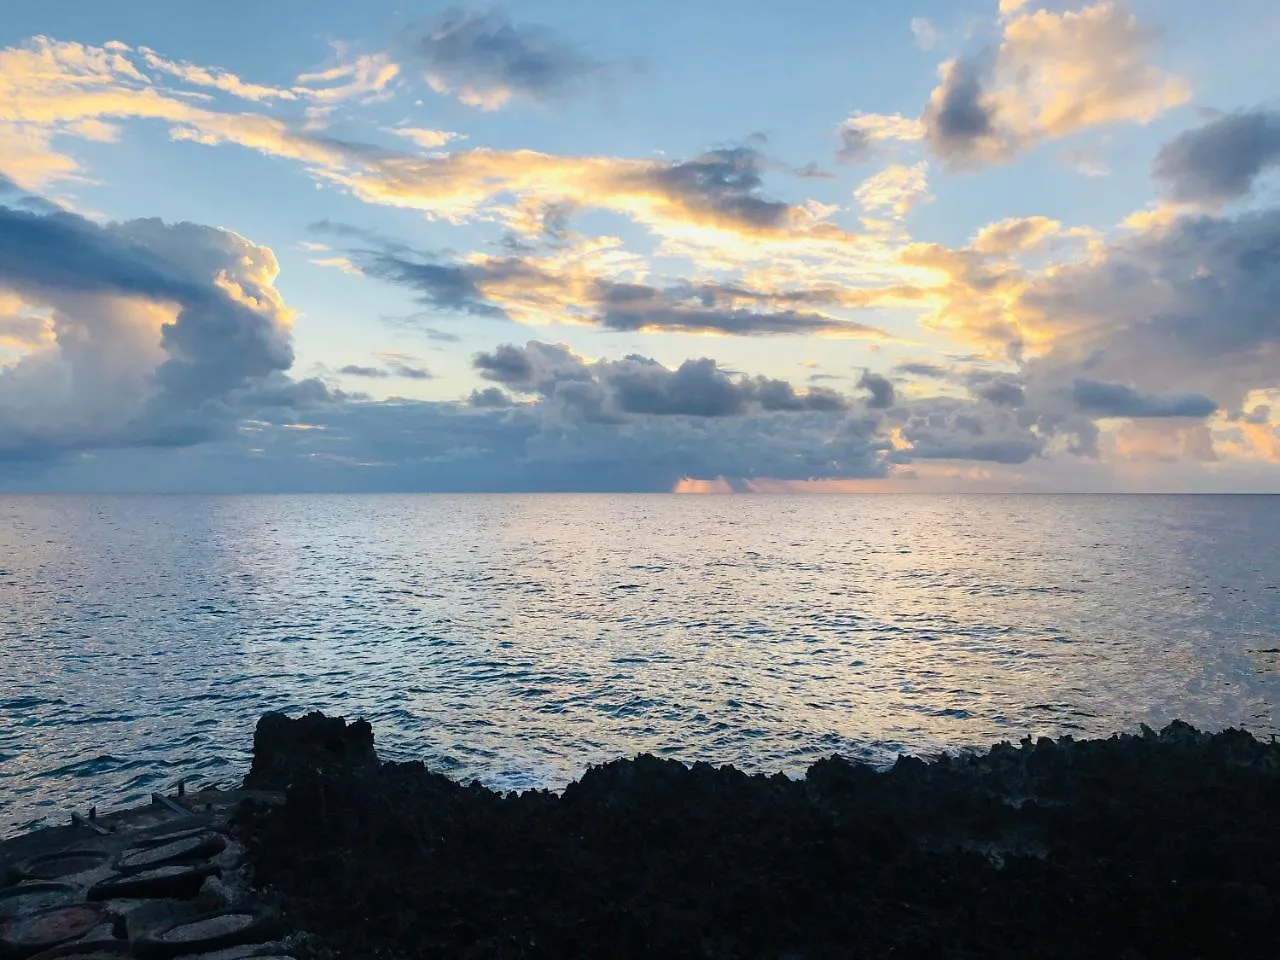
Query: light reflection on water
517,639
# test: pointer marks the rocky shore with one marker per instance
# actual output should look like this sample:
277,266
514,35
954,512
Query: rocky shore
1158,845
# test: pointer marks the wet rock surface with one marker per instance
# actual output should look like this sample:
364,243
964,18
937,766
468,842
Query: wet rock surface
161,881
1153,846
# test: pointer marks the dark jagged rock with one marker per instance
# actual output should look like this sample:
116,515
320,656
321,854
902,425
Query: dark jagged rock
1154,846
283,748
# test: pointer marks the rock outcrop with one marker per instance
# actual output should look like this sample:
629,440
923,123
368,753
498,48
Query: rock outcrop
1154,846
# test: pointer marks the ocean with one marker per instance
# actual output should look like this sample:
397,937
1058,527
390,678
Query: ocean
517,639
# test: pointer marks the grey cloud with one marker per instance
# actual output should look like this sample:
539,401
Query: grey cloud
931,370
696,388
692,319
608,390
781,395
398,368
394,368
489,398
1220,161
355,370
698,308
1002,389
611,304
856,145
281,392
1118,400
448,286
960,121
107,381
1192,305
535,367
507,364
811,171
945,429
1259,414
486,58
880,388
726,182
556,442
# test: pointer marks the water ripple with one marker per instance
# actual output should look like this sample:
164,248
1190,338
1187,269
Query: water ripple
518,639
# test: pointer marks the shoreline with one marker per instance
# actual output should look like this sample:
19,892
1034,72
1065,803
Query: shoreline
1156,845
1159,845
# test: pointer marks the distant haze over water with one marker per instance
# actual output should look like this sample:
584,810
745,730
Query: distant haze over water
516,639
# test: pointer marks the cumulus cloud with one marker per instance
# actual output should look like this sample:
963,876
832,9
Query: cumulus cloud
607,390
948,429
1172,318
1001,389
1119,400
149,329
1190,304
880,388
1051,75
490,398
486,60
1221,160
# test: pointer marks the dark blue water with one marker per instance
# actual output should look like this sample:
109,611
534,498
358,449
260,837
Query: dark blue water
517,639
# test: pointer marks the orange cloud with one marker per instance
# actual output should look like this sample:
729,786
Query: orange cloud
694,486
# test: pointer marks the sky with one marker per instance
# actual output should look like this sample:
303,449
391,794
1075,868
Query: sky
887,245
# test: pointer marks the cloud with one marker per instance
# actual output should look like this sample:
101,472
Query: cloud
361,77
1118,400
924,33
1173,318
427,139
409,372
1220,161
355,370
880,388
895,189
152,329
718,193
215,78
57,90
395,367
1190,303
1052,75
574,285
1001,389
960,119
486,60
919,369
1015,235
947,429
711,208
862,135
489,398
1089,160
609,390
